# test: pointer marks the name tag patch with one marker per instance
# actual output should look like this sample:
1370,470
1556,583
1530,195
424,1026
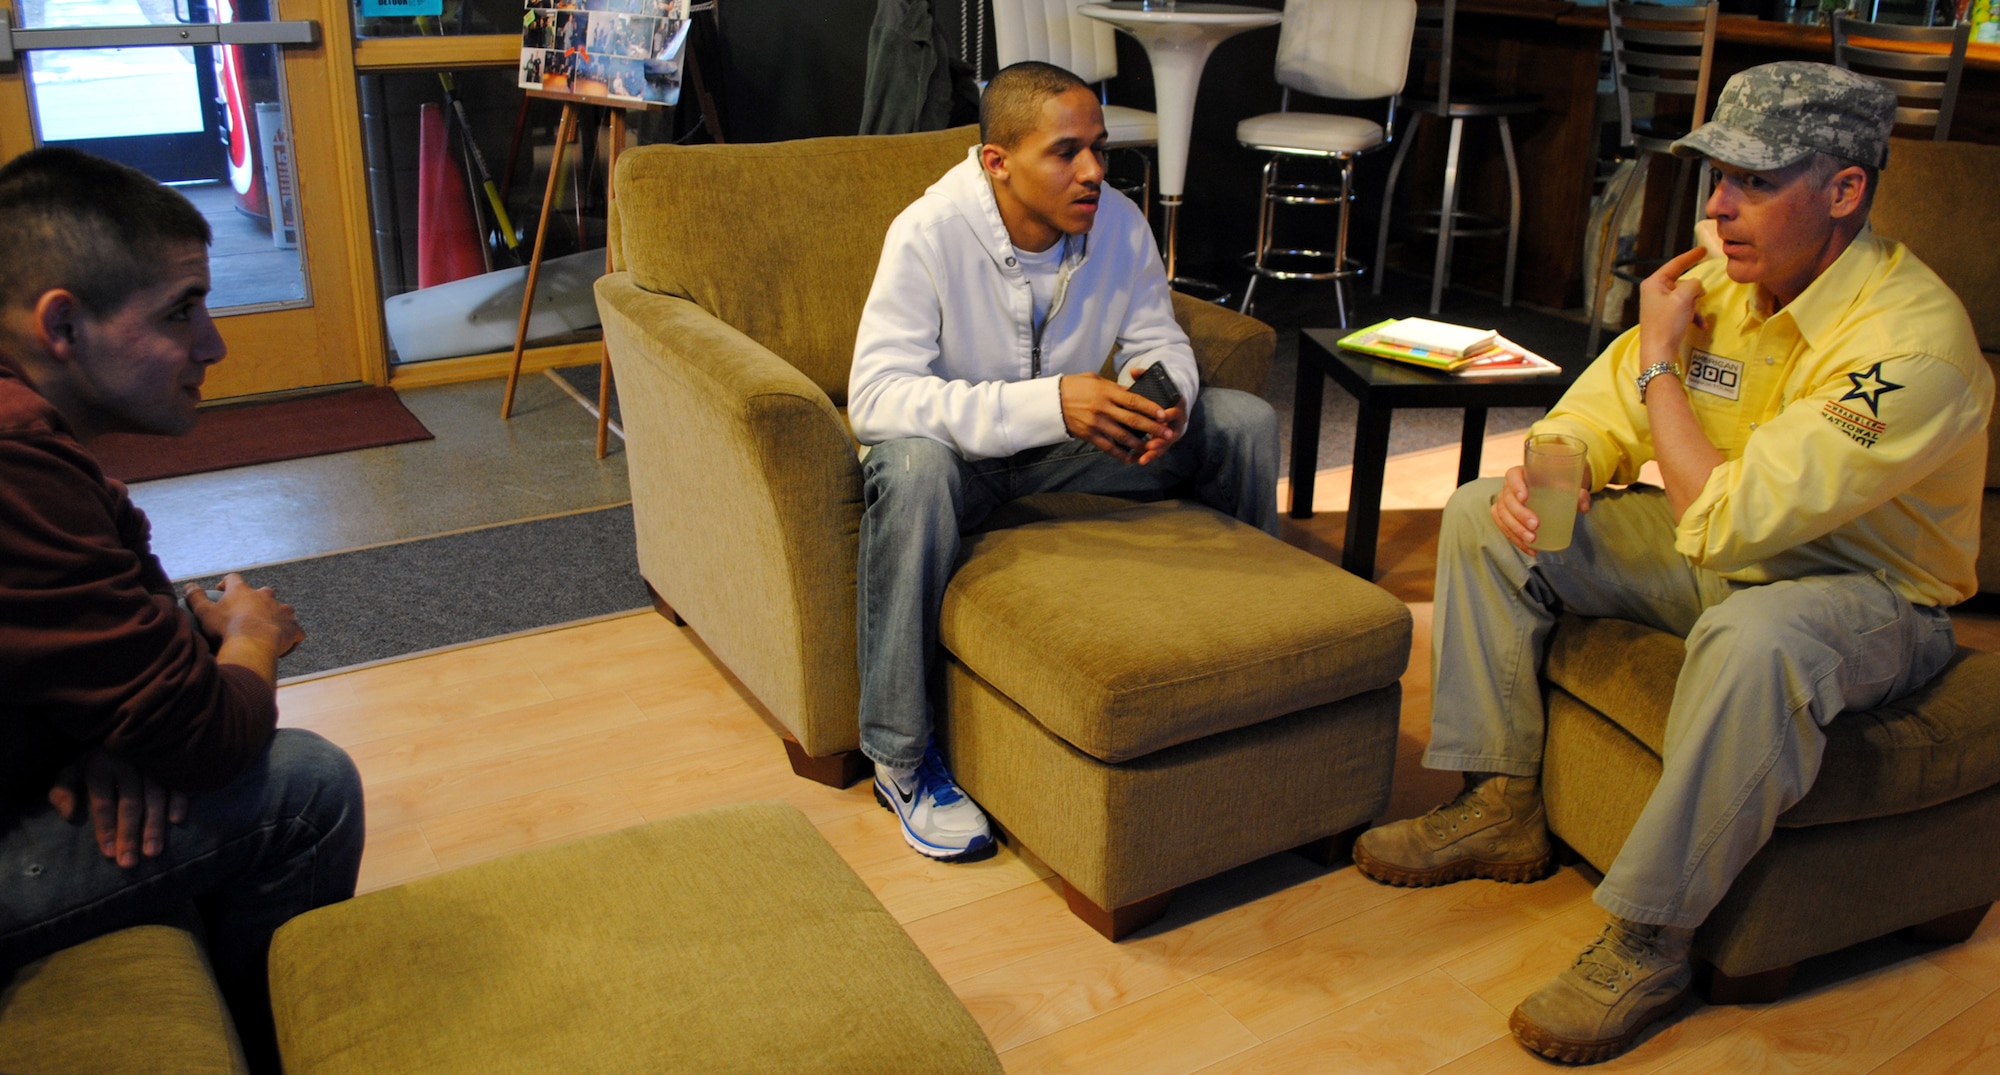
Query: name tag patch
1715,375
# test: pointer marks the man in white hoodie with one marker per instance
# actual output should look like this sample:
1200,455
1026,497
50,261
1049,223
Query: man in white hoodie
999,295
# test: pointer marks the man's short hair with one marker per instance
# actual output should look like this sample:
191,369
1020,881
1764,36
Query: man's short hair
1824,166
1011,107
86,225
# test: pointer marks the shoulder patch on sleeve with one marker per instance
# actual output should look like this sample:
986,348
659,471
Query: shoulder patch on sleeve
1869,388
1860,428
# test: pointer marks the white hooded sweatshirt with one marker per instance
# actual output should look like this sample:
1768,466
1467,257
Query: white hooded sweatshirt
947,347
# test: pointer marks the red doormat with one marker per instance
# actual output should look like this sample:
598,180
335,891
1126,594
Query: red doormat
239,436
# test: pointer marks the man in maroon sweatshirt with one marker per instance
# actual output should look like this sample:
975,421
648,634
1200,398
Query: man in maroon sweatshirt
140,770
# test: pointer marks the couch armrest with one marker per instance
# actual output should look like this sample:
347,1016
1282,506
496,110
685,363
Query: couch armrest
746,495
1232,350
153,1006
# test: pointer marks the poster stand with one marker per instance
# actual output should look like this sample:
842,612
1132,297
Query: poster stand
573,106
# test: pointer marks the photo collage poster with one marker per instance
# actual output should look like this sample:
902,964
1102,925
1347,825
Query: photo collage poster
604,50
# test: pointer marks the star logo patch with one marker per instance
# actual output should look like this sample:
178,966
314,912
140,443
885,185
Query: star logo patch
1869,387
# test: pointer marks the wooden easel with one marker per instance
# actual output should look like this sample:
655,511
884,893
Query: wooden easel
566,129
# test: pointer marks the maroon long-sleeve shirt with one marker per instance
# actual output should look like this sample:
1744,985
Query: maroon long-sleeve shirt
93,649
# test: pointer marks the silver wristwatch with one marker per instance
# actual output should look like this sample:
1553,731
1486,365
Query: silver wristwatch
1646,375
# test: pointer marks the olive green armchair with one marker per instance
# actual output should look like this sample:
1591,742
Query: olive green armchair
739,276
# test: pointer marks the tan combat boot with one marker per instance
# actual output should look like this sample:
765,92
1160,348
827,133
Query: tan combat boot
1493,829
1632,976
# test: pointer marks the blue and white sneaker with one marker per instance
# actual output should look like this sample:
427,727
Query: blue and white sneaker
938,820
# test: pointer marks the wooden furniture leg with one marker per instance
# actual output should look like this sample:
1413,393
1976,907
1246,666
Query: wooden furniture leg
1331,851
701,94
834,770
660,606
564,128
1947,929
1564,854
1760,988
1767,986
1119,922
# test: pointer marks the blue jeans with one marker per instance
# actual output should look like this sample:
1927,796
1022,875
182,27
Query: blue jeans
918,497
1768,667
284,838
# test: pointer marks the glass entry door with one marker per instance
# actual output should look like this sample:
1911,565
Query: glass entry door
236,105
147,107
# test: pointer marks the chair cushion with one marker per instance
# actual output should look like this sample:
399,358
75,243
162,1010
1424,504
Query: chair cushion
1311,132
1932,746
1129,631
1129,126
139,1000
729,940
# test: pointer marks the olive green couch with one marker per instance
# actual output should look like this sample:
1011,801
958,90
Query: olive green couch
135,1002
740,273
1898,830
1250,708
725,940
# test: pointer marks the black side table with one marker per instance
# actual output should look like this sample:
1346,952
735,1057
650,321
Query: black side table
1382,386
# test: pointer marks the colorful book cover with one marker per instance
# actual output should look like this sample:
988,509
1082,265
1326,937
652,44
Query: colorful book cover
1369,341
1504,359
1438,337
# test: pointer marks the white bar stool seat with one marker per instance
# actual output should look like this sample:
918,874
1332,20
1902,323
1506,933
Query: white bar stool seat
1342,50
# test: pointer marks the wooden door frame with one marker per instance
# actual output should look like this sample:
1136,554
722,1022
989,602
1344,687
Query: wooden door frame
342,330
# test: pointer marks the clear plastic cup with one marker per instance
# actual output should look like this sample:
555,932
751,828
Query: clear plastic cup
1553,465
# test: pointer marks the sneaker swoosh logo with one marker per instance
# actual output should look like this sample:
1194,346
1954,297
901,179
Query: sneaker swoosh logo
908,797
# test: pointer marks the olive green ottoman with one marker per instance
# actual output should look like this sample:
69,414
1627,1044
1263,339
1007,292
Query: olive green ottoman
140,1001
729,940
1896,833
1147,697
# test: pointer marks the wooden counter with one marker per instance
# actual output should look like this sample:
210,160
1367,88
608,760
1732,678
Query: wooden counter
1816,42
1551,49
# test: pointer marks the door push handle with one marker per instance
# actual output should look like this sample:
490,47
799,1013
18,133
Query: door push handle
14,41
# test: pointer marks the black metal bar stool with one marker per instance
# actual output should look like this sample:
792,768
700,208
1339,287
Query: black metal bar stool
1434,44
1926,84
1666,51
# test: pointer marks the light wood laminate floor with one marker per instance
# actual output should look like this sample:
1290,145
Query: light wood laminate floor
1277,966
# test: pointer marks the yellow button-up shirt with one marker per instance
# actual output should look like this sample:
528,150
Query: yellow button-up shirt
1851,423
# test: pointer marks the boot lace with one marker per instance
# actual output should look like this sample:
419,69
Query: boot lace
1446,820
1618,954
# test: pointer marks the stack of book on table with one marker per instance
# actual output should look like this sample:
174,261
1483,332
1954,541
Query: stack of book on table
1453,349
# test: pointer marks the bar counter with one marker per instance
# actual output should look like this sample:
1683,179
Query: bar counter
1551,49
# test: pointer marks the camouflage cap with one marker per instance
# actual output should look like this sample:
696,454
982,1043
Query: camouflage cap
1776,115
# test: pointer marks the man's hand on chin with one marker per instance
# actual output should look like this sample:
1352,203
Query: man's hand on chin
1121,423
129,811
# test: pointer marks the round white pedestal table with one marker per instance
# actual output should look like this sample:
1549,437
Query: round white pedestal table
1177,38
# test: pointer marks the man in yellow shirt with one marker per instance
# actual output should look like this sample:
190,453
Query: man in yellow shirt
1816,402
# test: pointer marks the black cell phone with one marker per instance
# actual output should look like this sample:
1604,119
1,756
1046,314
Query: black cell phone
1157,385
